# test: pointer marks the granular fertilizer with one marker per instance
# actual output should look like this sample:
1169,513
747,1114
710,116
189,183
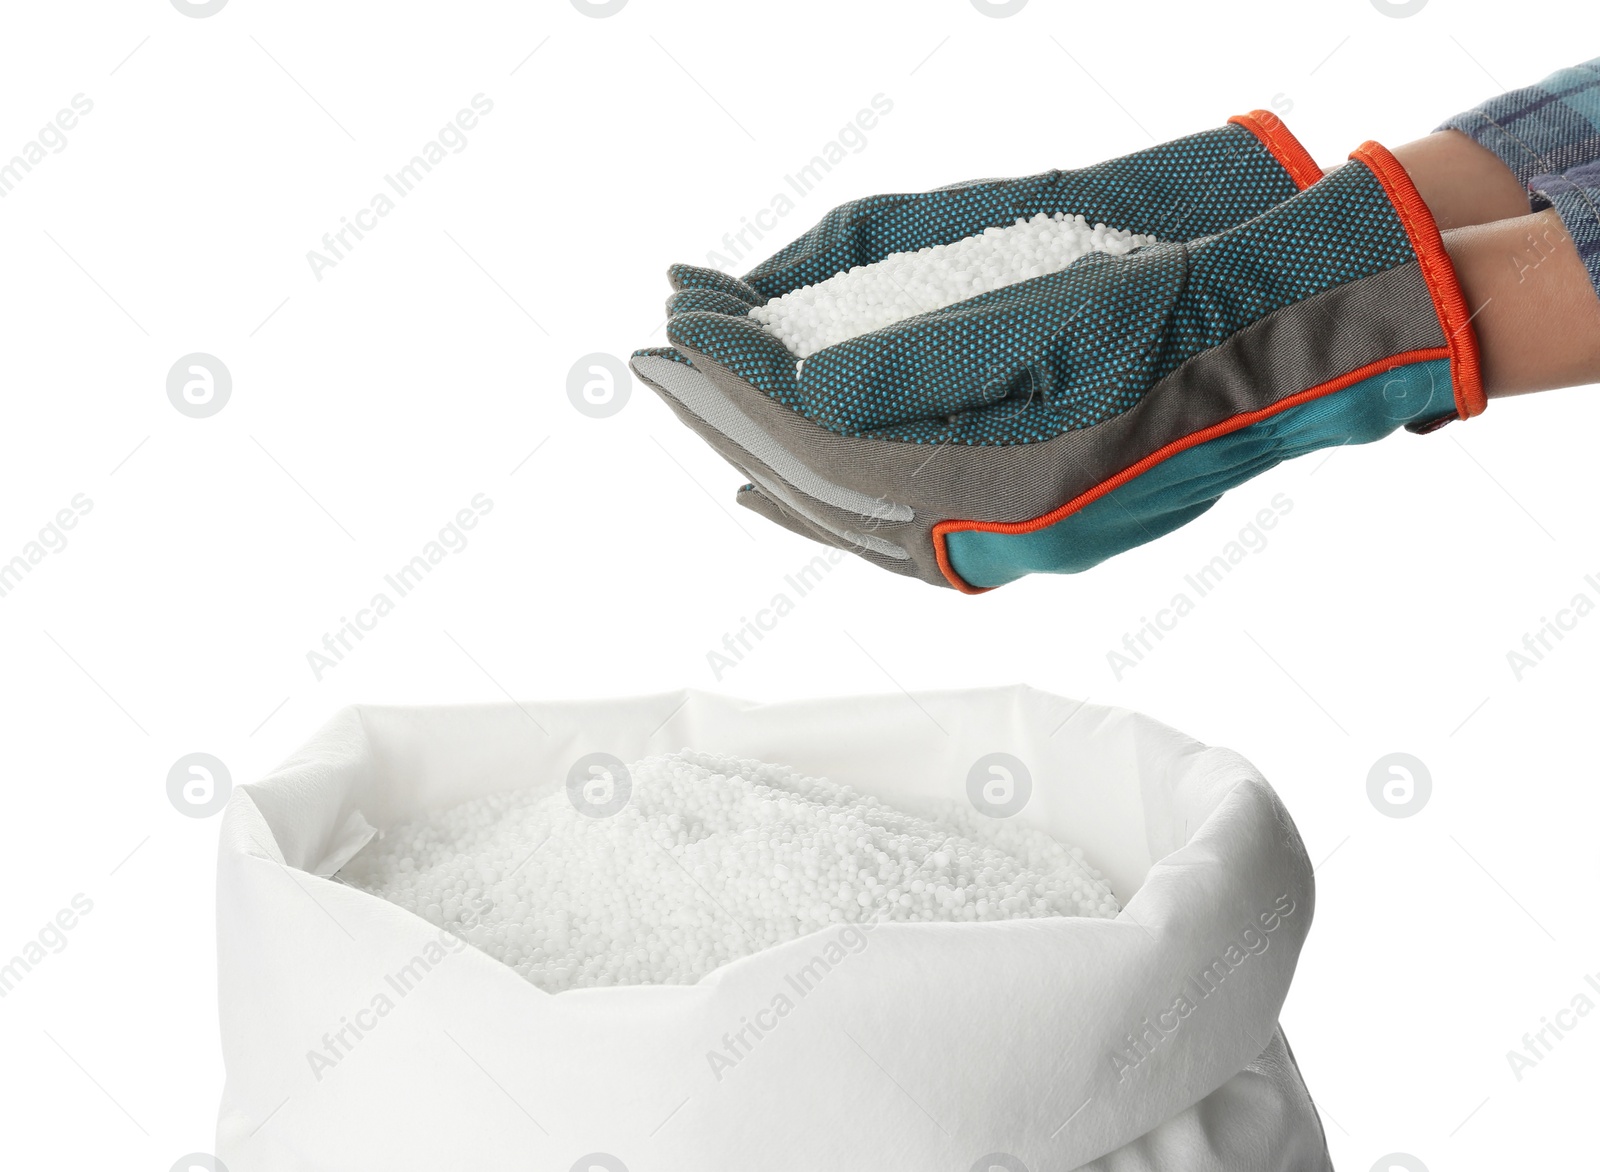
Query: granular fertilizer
905,284
712,858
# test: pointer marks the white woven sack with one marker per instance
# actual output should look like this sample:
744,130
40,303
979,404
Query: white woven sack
357,1037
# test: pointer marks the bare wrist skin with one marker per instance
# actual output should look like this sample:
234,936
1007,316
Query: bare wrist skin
1461,182
1535,310
1534,307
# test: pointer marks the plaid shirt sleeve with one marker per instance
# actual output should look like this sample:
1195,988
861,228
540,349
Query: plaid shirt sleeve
1549,135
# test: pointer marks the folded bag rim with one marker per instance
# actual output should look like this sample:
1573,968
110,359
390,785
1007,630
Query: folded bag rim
314,786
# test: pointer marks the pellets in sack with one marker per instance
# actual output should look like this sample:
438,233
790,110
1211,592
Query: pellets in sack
712,858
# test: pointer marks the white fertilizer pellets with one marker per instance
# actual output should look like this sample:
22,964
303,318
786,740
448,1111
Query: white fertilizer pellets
905,284
711,859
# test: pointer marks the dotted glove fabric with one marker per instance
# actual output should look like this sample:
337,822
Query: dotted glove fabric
1050,424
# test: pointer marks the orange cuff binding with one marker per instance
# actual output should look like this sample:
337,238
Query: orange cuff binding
1466,370
1283,145
1444,287
1233,423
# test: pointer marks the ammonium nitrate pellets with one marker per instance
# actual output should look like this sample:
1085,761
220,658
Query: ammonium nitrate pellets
711,859
905,284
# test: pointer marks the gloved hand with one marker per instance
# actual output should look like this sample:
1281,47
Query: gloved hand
1048,425
1189,187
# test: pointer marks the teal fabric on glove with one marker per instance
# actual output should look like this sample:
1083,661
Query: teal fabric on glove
1192,186
1052,423
1179,489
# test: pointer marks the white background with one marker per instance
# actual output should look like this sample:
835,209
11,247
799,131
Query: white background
370,405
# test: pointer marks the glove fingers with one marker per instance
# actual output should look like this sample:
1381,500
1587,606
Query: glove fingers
706,301
740,345
1018,364
851,518
751,497
876,550
847,531
860,232
710,411
697,277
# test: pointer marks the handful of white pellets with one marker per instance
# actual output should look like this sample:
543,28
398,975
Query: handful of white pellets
712,858
905,284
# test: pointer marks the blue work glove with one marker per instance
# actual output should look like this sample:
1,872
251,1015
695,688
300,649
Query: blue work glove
1050,424
1179,190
